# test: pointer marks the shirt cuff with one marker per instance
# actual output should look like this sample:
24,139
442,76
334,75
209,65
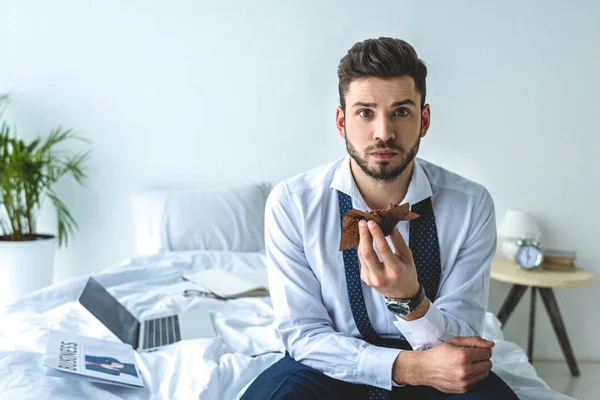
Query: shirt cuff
375,366
425,332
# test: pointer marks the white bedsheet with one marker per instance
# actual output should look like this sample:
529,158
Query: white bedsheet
209,369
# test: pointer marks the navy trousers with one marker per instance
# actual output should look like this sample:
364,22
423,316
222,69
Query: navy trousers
290,380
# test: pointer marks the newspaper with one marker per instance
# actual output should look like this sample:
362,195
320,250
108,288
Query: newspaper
97,360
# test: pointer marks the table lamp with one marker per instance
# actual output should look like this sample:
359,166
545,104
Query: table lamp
516,225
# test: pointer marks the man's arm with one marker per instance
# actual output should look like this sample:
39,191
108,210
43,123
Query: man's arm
462,301
303,321
454,366
458,311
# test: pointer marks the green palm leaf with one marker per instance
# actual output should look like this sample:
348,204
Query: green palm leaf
28,172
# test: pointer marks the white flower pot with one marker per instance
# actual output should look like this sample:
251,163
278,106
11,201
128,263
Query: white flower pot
25,267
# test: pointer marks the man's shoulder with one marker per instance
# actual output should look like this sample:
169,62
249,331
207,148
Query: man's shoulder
311,181
442,179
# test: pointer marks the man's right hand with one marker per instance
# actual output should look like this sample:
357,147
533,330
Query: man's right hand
454,366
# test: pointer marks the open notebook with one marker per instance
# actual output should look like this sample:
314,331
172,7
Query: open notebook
228,285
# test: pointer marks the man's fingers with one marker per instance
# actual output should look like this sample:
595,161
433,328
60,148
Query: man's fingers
366,254
481,367
400,246
471,341
381,243
478,354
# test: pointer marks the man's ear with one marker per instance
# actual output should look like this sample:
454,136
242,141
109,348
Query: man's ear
340,121
425,120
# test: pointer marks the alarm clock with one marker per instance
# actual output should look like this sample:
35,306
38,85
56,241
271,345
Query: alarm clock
529,253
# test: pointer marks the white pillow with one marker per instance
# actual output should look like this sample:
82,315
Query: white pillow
225,219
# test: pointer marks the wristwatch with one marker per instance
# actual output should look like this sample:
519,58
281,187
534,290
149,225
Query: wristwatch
403,307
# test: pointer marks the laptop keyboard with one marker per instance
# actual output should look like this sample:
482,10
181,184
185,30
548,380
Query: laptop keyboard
161,331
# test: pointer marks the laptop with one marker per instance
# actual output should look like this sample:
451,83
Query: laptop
144,335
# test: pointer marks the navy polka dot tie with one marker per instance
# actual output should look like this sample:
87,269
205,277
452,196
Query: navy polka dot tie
424,244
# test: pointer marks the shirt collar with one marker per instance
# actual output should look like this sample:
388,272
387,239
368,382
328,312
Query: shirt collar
419,187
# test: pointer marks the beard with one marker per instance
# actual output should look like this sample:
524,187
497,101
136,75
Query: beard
383,171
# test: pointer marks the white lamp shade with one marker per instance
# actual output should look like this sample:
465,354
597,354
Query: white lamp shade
517,223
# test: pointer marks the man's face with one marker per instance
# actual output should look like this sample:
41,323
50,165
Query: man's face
383,124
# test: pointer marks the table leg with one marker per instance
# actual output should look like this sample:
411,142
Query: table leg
559,327
531,324
511,301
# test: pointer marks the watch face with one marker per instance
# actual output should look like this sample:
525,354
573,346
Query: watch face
529,256
398,308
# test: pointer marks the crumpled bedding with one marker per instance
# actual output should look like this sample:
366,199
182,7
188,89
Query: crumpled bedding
212,369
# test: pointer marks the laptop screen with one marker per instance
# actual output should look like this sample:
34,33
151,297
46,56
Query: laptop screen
110,312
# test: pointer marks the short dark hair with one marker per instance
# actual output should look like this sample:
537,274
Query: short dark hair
381,58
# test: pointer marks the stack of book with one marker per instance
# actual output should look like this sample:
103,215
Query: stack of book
559,260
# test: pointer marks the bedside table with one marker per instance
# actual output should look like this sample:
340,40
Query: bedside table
543,281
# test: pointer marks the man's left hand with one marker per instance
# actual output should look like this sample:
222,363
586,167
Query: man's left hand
396,276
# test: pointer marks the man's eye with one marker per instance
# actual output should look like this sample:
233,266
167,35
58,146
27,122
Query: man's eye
401,112
365,113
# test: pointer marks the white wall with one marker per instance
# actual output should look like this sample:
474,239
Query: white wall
192,93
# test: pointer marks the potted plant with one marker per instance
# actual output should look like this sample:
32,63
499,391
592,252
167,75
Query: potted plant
28,172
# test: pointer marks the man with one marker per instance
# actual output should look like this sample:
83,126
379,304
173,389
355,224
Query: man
384,320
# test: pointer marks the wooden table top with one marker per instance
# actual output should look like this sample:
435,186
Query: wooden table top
506,270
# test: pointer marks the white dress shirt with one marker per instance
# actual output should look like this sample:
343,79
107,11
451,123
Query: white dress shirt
308,282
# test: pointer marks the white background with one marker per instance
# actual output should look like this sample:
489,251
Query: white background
193,94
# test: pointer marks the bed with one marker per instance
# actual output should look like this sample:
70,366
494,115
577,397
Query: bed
151,285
